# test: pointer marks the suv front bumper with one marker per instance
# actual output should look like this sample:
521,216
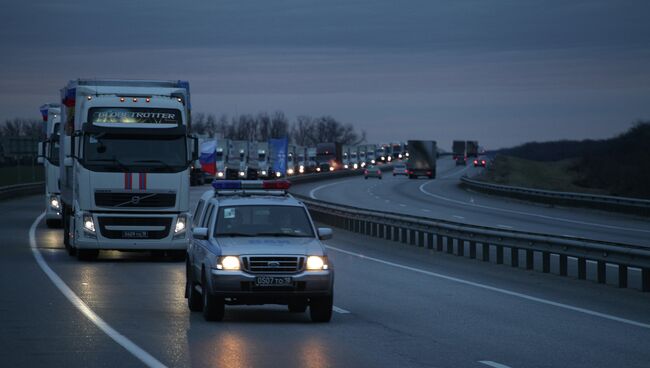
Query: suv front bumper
241,285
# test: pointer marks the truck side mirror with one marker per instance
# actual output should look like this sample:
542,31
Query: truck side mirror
195,151
67,161
42,148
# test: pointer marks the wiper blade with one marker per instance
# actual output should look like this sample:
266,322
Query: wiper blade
292,235
235,234
166,165
114,160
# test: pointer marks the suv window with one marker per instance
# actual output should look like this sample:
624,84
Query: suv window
208,213
197,212
263,220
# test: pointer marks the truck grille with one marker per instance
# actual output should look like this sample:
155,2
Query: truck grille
273,264
144,227
138,200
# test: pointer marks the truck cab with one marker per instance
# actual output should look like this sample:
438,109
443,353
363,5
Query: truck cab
125,165
49,156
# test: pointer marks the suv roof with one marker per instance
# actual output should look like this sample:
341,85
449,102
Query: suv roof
257,199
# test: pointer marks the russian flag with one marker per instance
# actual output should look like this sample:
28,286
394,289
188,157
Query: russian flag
44,109
208,157
69,97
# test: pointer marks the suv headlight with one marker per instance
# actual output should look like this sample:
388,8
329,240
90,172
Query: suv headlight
228,263
181,224
89,223
316,263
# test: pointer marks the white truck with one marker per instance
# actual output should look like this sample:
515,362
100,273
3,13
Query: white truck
125,166
371,154
292,160
259,166
48,155
221,157
237,164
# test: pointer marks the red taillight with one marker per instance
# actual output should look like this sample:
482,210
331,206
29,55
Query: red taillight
365,172
475,162
483,162
276,184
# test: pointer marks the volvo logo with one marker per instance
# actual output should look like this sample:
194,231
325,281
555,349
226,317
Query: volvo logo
135,199
273,264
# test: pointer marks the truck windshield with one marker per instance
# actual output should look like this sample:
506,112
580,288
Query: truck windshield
263,220
135,153
219,156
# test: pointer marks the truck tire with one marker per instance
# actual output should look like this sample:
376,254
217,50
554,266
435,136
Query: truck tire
53,224
66,232
320,309
213,307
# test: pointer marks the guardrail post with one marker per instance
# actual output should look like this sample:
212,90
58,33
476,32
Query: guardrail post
563,265
461,247
486,252
439,243
582,268
546,262
622,276
430,240
602,276
450,245
472,249
530,259
499,254
514,257
645,279
412,236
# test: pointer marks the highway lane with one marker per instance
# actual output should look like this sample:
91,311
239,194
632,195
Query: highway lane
442,198
397,316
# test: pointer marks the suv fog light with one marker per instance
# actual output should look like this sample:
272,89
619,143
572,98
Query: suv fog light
228,263
89,223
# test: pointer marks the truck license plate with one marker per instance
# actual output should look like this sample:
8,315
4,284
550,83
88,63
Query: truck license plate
273,281
135,234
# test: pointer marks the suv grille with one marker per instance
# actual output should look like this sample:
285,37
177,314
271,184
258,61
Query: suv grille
273,264
130,200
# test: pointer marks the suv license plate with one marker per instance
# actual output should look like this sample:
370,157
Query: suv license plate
135,234
273,281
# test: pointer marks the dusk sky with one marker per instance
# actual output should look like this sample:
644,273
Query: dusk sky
501,72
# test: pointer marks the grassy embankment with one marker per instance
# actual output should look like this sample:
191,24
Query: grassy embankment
10,175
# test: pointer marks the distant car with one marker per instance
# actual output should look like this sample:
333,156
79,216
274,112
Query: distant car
461,161
480,162
400,169
253,243
372,171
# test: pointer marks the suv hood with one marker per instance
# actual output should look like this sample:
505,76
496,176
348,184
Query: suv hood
270,245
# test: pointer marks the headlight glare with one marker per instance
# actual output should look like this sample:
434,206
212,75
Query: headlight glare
181,223
54,203
228,263
89,223
316,263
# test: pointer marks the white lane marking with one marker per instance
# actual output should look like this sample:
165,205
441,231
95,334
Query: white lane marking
122,340
496,289
425,210
312,193
402,205
387,200
493,364
340,310
458,217
528,213
455,173
505,227
377,197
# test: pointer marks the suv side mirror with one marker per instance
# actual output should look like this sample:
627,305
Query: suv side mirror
200,233
324,233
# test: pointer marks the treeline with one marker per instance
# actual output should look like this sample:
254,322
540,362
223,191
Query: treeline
304,130
18,127
621,165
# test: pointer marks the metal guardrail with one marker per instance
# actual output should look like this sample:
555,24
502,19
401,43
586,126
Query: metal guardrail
20,190
621,204
508,245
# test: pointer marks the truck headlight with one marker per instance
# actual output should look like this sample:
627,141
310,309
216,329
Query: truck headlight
242,174
228,263
301,169
54,203
316,263
263,172
278,174
383,158
290,171
331,168
181,223
372,162
318,169
356,166
220,174
89,223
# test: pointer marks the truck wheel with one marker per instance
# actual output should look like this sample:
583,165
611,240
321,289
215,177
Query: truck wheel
298,306
53,224
66,232
213,307
194,300
320,308
87,254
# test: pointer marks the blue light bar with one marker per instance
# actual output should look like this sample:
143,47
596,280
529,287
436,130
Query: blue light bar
226,184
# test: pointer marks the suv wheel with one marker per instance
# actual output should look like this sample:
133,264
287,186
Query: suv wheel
213,307
194,300
298,307
320,308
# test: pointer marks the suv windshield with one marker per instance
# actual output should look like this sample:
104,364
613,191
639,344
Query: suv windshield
263,220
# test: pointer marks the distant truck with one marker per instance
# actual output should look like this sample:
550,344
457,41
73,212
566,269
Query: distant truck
311,160
371,154
396,151
346,157
125,154
301,159
422,159
329,156
258,161
458,149
237,164
49,157
292,160
472,149
381,153
221,158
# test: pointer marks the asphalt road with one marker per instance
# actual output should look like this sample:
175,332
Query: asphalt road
442,198
396,306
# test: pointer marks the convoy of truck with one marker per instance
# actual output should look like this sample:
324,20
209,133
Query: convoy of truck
48,155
